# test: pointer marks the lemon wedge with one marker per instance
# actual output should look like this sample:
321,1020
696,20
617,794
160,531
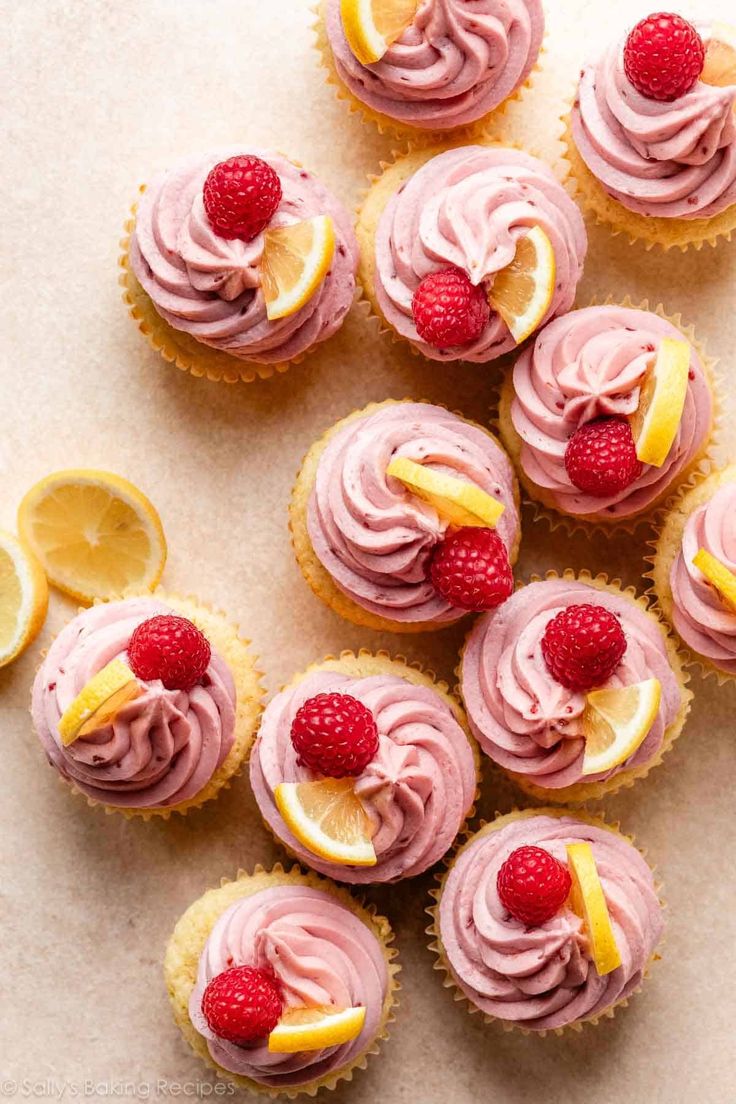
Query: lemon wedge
24,597
720,56
661,401
718,575
588,901
522,292
98,702
295,261
328,819
314,1029
616,721
455,500
371,26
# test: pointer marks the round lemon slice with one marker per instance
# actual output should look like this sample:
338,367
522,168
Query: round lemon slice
661,401
720,56
99,701
616,721
371,26
295,261
522,292
24,597
314,1029
455,500
95,534
328,819
588,900
718,575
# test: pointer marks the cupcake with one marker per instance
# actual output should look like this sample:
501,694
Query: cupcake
364,769
577,396
448,68
652,135
694,571
573,687
546,921
443,231
366,542
147,706
210,257
281,982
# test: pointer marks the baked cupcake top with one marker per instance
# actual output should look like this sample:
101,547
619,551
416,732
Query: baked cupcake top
451,65
542,976
211,286
160,748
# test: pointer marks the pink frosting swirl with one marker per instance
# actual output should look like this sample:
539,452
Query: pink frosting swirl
417,790
467,208
544,977
323,955
209,287
370,533
703,620
451,66
521,716
588,364
163,747
668,160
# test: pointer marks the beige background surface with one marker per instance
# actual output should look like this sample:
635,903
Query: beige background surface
98,95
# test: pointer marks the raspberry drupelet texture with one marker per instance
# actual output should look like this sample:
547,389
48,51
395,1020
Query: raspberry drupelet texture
663,56
470,568
334,735
582,646
171,649
242,1004
448,310
533,885
241,196
601,459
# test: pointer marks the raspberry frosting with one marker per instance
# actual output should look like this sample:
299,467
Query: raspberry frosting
591,363
163,747
468,207
524,719
323,956
455,62
417,791
209,287
544,977
669,160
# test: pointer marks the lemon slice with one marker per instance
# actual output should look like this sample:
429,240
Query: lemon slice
589,902
95,534
661,402
296,260
98,702
455,500
720,56
616,721
718,575
371,26
24,597
522,292
328,819
314,1029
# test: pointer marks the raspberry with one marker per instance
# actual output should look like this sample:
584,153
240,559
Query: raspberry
335,735
448,310
470,568
533,885
242,1004
582,646
169,648
663,56
241,196
601,459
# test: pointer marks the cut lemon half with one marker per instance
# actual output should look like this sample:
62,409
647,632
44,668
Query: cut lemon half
718,575
522,292
616,721
661,401
314,1029
371,26
720,56
328,819
296,260
99,701
455,500
95,534
589,902
24,597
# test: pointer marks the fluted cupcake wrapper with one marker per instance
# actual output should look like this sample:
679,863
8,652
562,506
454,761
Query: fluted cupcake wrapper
190,936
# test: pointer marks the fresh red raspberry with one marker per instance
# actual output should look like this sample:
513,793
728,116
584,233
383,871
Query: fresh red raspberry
448,310
663,56
241,196
334,735
533,885
470,568
583,645
601,459
169,648
242,1004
